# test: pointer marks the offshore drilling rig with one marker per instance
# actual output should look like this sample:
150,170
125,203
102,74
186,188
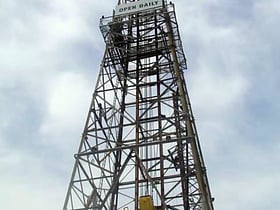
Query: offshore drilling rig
140,148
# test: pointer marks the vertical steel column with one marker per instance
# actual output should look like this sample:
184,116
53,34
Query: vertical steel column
163,206
137,168
182,163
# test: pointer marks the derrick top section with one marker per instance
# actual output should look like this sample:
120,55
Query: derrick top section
143,29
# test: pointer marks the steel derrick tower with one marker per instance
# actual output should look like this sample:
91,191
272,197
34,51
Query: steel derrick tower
140,148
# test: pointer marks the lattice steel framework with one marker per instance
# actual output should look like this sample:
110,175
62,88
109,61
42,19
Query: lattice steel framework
140,137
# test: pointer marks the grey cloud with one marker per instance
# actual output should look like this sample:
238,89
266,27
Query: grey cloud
233,80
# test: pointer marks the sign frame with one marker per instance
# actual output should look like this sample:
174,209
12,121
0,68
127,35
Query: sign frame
137,6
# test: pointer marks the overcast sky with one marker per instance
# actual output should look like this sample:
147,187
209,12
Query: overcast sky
50,52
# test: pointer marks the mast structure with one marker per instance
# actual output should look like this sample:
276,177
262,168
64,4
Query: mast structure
140,144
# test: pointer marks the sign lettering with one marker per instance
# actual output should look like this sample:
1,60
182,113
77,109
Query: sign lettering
137,6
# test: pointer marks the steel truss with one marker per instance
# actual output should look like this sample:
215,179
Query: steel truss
140,137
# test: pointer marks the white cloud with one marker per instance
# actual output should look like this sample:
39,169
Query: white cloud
249,175
215,94
68,101
46,90
232,81
26,183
